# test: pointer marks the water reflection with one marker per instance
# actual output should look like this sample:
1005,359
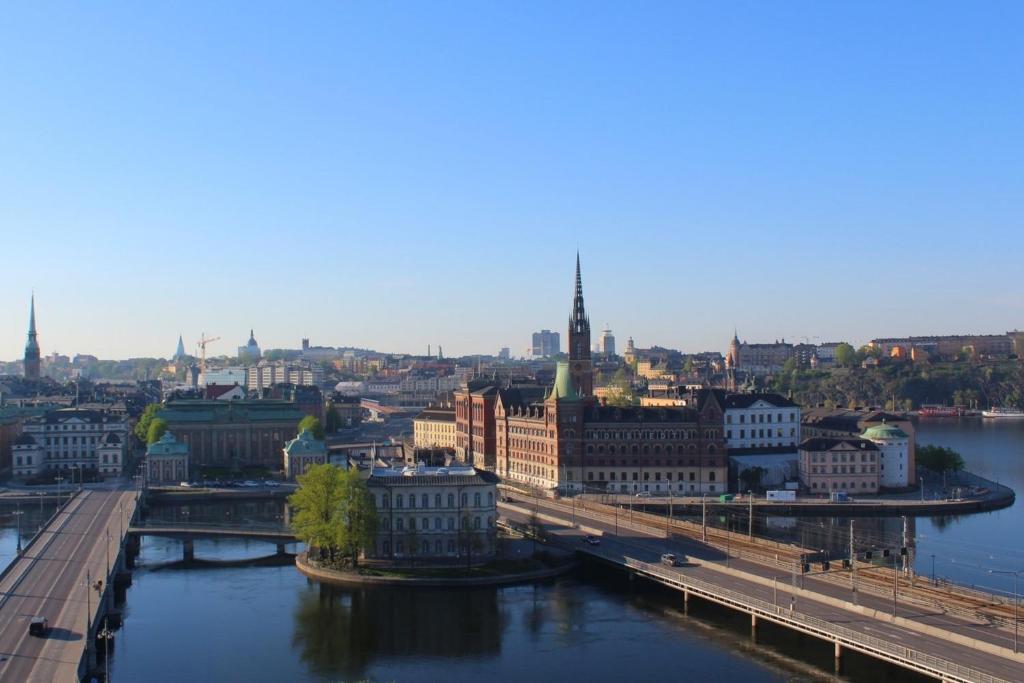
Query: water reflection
341,631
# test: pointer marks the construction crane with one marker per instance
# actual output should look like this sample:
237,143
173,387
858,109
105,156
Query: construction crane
201,344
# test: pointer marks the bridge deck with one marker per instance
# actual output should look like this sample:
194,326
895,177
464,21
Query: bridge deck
49,580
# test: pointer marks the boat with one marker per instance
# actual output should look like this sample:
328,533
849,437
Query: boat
1003,413
940,411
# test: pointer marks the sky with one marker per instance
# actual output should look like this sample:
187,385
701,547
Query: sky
390,175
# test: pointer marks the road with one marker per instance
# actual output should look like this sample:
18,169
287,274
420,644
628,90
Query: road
648,546
50,580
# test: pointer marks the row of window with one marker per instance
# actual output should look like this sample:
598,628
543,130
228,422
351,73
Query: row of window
761,418
424,548
107,459
760,433
424,524
400,500
842,485
841,469
646,476
842,457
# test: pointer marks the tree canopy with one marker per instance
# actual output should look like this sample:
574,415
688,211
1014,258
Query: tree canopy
313,425
846,356
157,428
333,512
142,426
939,459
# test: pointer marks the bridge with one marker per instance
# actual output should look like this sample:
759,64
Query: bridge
63,574
757,577
189,533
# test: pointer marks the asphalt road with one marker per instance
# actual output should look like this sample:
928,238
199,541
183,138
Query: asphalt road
49,581
650,547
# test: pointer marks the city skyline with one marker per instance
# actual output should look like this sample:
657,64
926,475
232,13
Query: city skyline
790,172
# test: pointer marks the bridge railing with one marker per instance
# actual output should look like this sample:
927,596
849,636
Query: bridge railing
211,526
945,669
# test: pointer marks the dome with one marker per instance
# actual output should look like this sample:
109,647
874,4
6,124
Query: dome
884,432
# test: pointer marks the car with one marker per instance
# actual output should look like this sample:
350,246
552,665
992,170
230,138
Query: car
592,540
271,483
39,626
187,485
644,494
670,560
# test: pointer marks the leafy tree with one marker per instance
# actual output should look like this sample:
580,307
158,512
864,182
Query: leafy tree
157,428
356,520
315,506
313,425
846,357
142,426
939,459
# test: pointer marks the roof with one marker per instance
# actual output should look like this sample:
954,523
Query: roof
381,477
437,414
884,431
305,444
563,390
25,440
211,410
167,445
825,443
733,401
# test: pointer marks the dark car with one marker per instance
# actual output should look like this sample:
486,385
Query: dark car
39,626
592,540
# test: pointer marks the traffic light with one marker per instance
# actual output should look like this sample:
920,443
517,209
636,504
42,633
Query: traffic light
824,566
805,567
903,550
885,553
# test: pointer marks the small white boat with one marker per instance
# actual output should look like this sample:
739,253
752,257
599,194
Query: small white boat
1003,413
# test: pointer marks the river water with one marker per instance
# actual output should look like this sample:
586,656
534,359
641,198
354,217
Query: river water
272,624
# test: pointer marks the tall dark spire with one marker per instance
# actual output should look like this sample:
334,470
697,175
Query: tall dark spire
579,313
32,345
579,340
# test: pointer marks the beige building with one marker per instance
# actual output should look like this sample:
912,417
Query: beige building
839,464
434,427
70,439
852,423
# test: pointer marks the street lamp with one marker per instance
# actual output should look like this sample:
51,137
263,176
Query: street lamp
933,569
18,513
59,479
1014,574
106,634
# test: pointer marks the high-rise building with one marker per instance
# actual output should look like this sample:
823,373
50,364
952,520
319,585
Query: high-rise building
579,341
607,342
545,344
32,345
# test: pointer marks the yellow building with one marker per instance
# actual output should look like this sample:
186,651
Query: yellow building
434,427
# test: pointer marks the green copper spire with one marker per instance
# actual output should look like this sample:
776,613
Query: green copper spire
563,389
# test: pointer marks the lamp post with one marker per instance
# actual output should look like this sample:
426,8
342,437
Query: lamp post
59,479
750,514
933,569
106,634
1014,574
18,513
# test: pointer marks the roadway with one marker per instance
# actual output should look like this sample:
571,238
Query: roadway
49,580
647,545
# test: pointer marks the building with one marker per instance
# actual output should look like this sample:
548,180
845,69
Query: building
251,351
167,461
32,345
948,346
435,427
854,422
229,376
303,452
761,421
179,353
70,439
233,434
224,392
758,358
266,373
607,342
474,423
893,448
839,464
581,370
434,514
308,399
545,344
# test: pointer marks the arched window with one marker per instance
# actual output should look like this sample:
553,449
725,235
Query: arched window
465,499
490,498
400,524
451,500
398,501
476,522
476,499
412,500
425,501
386,500
451,524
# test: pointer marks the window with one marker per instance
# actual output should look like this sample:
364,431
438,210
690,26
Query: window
476,500
437,500
451,500
437,526
399,501
425,501
490,498
400,524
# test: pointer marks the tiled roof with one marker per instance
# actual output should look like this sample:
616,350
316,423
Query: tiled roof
825,443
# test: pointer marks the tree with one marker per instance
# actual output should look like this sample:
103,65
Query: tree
313,425
939,459
846,357
315,505
157,428
356,520
751,478
142,426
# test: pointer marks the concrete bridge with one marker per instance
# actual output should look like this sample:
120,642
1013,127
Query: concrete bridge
189,533
64,574
750,577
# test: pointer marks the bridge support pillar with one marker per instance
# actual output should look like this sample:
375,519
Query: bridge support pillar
686,602
188,551
838,658
280,549
753,628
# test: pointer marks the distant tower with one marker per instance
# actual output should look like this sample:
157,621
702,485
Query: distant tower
734,350
579,341
607,342
32,345
180,353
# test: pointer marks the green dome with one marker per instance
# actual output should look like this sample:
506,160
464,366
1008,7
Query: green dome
884,432
563,389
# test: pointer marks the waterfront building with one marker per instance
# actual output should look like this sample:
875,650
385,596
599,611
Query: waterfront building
851,422
474,422
303,452
893,447
251,350
434,427
31,362
434,514
839,464
762,420
233,434
545,344
70,439
167,461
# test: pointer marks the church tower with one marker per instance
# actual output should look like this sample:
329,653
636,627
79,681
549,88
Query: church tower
580,366
32,346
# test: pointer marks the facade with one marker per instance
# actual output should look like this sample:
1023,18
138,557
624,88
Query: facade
761,421
233,434
435,427
303,452
167,461
474,423
545,344
32,345
893,449
607,342
948,346
434,514
266,373
223,376
839,464
569,443
853,423
71,439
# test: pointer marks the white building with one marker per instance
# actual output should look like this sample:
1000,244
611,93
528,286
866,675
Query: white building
223,376
434,514
266,373
893,446
71,439
761,421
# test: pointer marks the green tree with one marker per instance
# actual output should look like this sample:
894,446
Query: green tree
313,425
315,506
142,426
157,428
846,357
356,520
939,459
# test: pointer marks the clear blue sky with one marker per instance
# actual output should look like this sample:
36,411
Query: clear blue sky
390,175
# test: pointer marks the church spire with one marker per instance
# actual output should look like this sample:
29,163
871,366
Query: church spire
579,340
32,318
32,345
